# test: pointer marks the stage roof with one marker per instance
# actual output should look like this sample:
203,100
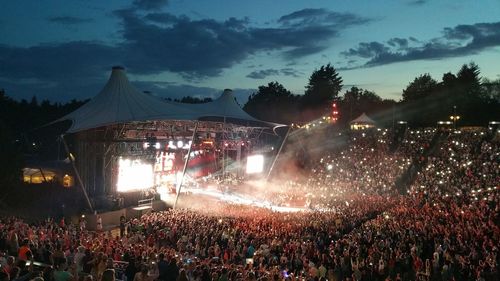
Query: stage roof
225,108
120,102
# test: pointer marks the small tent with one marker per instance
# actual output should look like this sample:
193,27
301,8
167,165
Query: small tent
37,172
363,122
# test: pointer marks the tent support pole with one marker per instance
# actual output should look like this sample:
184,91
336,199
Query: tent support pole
77,173
224,150
43,175
185,165
279,152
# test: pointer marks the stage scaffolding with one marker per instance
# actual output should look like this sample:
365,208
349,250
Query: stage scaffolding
96,151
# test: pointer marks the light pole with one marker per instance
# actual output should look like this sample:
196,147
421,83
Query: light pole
454,117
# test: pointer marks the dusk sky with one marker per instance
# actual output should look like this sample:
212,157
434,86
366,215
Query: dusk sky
60,50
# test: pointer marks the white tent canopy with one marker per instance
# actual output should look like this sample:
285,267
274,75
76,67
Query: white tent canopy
225,108
362,122
120,102
363,119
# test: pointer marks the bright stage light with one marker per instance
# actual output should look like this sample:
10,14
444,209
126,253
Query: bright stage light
255,164
180,144
171,145
134,175
157,145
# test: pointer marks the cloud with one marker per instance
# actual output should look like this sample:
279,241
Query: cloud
149,4
62,91
84,89
68,20
202,48
291,72
164,18
261,74
178,91
152,42
367,50
418,2
73,60
56,71
456,41
398,42
322,17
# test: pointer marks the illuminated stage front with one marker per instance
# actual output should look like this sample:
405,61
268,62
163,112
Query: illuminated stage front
150,157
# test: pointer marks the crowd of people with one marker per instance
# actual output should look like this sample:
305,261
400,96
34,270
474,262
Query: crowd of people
465,164
364,166
415,142
357,226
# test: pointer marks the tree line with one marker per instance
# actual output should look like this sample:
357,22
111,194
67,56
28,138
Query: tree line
424,101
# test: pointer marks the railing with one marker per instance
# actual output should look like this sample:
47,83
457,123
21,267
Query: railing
145,204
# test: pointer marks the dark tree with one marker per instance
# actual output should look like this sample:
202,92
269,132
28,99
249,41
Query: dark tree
490,97
449,80
466,95
272,103
469,77
357,101
420,88
25,120
425,101
11,160
350,103
420,102
491,90
323,88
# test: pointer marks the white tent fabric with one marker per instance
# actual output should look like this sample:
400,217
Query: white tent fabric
120,102
363,119
226,108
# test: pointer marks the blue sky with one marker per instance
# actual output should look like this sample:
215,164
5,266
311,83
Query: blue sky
60,50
